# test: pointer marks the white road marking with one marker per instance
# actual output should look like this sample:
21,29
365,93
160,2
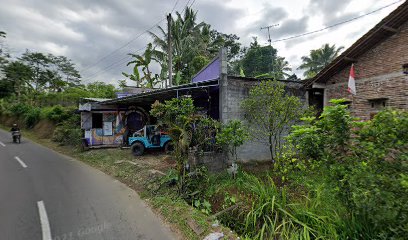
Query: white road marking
2,144
21,162
45,225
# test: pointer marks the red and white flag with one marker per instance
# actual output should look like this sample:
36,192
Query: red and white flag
352,82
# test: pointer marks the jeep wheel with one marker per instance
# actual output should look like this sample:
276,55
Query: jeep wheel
168,147
137,149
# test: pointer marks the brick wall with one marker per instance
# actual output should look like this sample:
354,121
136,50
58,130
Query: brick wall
378,75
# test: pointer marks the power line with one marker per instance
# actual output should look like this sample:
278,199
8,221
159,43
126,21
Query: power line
192,3
335,25
123,60
175,5
123,46
129,42
114,65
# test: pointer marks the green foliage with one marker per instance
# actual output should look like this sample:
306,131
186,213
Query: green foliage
272,216
19,109
143,61
204,206
260,62
367,171
232,135
68,132
178,115
193,44
318,59
101,90
32,117
269,110
56,114
377,177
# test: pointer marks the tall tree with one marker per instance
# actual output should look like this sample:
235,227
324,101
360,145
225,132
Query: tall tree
281,68
53,73
187,39
38,62
221,40
258,60
318,59
66,68
194,45
3,55
17,79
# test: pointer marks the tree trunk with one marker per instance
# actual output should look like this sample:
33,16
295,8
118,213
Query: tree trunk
271,148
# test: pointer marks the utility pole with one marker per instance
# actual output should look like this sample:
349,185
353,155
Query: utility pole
270,42
169,50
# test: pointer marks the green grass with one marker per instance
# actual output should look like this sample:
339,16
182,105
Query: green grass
165,203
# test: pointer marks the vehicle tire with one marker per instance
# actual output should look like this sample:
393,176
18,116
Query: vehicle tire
137,148
19,139
168,147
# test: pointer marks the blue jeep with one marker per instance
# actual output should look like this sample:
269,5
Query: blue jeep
149,137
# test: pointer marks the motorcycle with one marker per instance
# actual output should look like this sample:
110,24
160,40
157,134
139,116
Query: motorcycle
16,136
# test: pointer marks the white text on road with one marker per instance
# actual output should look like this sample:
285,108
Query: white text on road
21,162
45,225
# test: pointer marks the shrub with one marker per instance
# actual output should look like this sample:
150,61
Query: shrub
32,117
19,109
57,113
232,135
368,171
378,178
68,132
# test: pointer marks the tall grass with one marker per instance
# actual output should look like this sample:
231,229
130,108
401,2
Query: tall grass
273,216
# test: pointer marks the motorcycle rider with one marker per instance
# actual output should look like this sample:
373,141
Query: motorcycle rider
15,128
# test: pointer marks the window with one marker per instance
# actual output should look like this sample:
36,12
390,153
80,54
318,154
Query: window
405,68
348,104
97,120
378,103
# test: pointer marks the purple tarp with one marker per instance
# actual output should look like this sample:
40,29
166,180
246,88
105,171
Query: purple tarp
211,72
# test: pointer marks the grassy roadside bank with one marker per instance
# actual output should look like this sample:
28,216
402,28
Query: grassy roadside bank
145,175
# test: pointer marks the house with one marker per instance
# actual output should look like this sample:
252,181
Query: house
380,60
217,94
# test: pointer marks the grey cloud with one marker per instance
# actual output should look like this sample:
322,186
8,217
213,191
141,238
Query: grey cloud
291,27
218,15
84,31
332,11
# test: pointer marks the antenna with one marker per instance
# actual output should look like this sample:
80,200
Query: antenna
270,44
269,33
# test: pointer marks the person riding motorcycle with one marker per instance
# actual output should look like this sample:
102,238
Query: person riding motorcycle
15,128
15,133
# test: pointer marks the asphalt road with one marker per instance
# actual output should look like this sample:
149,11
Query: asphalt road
45,195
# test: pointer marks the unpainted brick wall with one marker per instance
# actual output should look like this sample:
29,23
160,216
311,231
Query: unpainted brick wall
379,74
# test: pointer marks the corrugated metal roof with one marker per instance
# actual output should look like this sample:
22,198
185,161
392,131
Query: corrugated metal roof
96,99
160,94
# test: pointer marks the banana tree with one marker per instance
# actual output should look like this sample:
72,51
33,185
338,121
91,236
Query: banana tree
143,61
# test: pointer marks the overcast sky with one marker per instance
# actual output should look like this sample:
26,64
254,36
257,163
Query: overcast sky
87,31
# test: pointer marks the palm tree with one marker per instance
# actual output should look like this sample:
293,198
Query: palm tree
318,59
280,68
189,39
